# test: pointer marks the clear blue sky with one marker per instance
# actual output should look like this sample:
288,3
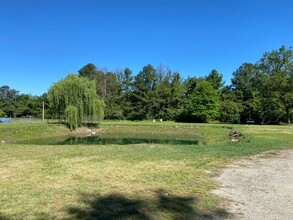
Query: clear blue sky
43,40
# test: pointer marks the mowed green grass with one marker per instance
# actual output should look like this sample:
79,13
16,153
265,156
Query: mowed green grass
142,181
11,132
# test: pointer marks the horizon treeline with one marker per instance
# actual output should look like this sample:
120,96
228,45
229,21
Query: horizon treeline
260,93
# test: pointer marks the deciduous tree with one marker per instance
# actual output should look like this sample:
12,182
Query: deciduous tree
78,93
276,69
202,101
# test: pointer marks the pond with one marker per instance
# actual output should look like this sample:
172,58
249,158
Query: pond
99,140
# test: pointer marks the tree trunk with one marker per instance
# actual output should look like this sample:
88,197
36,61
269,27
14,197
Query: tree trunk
288,116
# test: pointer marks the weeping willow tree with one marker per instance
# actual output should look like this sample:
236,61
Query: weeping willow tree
74,99
71,116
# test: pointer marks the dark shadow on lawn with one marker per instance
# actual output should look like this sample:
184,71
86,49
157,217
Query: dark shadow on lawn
114,206
117,206
183,207
3,217
177,206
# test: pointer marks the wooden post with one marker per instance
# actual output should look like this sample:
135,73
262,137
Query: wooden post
43,111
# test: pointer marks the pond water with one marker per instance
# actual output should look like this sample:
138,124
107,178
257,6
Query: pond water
99,140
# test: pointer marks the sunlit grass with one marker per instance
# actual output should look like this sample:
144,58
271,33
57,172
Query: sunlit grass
142,181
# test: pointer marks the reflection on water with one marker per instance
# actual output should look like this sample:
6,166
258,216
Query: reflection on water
99,140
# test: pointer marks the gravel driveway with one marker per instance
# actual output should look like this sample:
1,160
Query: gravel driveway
259,188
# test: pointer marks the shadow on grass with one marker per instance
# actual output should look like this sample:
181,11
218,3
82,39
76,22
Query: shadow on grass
113,206
3,217
163,206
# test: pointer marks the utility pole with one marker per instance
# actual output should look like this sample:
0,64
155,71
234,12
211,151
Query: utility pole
43,111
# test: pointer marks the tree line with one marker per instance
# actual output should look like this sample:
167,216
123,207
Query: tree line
13,104
259,93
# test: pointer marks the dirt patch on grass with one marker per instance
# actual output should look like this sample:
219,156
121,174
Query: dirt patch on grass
259,188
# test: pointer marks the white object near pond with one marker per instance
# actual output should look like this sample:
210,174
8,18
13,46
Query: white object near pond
3,142
234,140
154,120
161,120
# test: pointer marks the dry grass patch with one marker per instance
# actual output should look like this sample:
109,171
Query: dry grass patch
141,181
48,180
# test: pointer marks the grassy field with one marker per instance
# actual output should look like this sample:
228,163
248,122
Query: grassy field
141,181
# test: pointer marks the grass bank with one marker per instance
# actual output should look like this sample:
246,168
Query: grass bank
15,131
142,181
